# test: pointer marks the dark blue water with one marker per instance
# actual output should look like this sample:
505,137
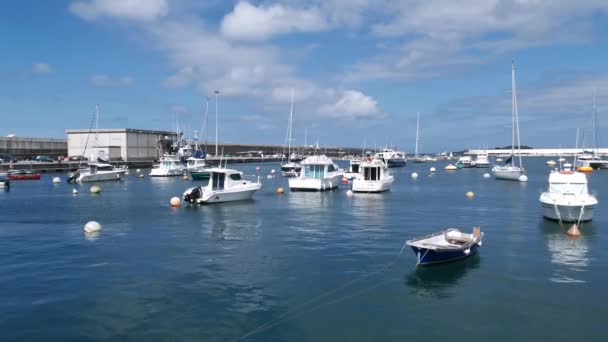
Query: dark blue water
216,273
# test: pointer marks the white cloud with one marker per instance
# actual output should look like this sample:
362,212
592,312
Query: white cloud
248,22
353,104
41,68
139,10
109,81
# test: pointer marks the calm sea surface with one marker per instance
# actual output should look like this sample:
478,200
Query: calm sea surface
300,267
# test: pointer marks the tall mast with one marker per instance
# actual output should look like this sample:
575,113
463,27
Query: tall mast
216,122
97,126
516,112
417,125
290,126
206,121
594,122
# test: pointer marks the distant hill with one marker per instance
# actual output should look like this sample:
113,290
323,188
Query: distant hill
523,147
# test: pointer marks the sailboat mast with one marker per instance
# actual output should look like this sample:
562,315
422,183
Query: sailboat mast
290,125
516,117
594,122
206,121
417,126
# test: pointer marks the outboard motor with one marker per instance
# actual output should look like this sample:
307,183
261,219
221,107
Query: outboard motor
193,194
73,176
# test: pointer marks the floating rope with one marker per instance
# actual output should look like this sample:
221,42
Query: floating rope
305,307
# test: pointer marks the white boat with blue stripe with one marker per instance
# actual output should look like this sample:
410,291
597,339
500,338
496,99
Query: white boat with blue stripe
445,246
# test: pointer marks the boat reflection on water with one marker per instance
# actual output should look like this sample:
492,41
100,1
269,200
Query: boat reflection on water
569,255
369,211
436,280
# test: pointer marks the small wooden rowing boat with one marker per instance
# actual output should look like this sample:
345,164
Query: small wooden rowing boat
23,175
446,246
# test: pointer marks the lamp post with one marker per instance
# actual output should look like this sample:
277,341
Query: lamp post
217,92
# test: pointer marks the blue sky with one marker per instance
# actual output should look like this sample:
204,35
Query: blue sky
361,69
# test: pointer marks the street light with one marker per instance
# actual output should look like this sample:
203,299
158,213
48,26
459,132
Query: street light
216,106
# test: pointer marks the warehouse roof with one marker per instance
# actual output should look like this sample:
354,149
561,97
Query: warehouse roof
120,130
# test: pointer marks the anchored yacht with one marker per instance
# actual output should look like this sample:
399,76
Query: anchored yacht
225,185
568,198
318,173
373,176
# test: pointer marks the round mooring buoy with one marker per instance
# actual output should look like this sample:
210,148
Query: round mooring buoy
486,175
280,191
138,170
56,180
269,176
74,191
185,177
350,193
523,178
273,171
175,202
414,175
433,169
141,175
470,194
92,227
95,189
574,231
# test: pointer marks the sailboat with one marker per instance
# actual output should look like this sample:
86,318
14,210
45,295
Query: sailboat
290,169
511,171
417,158
196,164
589,161
98,169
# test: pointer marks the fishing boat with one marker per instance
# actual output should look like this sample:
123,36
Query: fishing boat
319,173
590,159
95,172
391,157
354,165
23,175
5,183
290,168
567,198
169,166
225,185
445,246
373,176
465,162
482,161
511,171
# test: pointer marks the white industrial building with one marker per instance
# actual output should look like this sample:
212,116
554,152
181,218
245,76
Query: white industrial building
117,144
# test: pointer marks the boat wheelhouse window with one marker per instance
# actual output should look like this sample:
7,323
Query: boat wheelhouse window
331,168
568,188
371,173
314,171
217,181
354,168
235,176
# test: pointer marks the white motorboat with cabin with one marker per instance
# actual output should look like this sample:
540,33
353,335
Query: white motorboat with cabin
194,164
511,171
225,185
95,172
567,198
465,162
169,166
319,173
391,157
373,176
354,165
482,161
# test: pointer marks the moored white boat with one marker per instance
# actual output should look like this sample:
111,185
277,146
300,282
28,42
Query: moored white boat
99,172
567,198
391,157
373,176
291,169
194,164
353,168
318,173
225,185
465,162
169,166
482,161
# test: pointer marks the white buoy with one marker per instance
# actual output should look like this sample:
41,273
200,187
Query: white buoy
551,163
176,202
56,180
450,167
486,175
433,169
138,170
414,175
470,194
75,192
92,227
257,168
273,171
141,175
349,193
127,172
523,178
269,176
95,189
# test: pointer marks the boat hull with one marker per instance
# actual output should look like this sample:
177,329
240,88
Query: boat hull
396,162
567,213
221,196
482,165
24,177
312,184
430,256
512,175
166,172
371,186
101,176
200,175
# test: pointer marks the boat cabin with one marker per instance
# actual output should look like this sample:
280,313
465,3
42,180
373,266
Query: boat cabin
568,182
221,179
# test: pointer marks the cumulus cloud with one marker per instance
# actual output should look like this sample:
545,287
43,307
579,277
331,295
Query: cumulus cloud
248,22
353,104
41,69
138,10
109,81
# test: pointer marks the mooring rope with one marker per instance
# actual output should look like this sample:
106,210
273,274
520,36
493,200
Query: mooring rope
559,218
305,307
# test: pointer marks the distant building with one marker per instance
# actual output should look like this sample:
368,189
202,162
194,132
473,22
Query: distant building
29,148
119,144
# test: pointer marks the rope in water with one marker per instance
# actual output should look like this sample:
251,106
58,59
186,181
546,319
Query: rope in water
305,307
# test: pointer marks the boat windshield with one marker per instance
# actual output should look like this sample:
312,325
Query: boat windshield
314,171
568,188
235,176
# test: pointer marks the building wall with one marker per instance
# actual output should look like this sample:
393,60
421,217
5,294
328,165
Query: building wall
107,143
141,145
28,148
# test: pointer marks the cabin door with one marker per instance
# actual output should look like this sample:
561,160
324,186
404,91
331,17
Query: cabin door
218,181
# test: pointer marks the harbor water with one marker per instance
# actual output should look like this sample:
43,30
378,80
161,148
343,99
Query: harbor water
301,266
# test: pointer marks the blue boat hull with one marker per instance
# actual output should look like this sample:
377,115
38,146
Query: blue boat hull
430,256
396,163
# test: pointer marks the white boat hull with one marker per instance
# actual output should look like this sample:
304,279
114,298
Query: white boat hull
219,196
508,174
312,184
567,213
482,165
101,176
372,186
350,175
166,172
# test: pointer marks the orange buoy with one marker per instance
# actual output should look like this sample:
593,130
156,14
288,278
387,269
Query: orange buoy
585,169
280,191
574,231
